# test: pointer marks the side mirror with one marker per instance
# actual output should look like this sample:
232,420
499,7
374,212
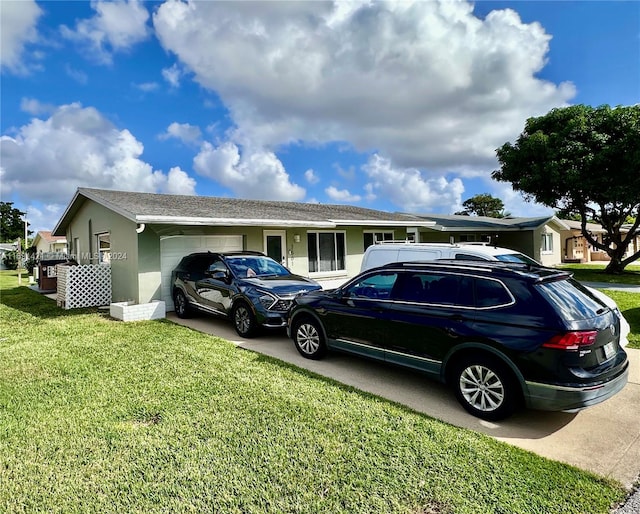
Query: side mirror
216,275
342,295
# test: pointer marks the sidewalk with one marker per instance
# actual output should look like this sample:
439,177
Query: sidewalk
629,288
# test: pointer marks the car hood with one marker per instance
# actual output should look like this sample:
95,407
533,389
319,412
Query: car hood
282,285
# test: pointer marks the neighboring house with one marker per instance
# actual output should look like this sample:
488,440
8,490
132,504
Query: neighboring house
4,249
143,235
49,246
577,248
634,246
575,245
539,237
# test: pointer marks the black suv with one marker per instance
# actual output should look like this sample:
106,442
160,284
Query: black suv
500,334
249,287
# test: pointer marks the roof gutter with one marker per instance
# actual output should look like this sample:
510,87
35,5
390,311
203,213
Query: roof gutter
237,222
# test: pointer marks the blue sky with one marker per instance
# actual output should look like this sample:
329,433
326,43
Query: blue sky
392,106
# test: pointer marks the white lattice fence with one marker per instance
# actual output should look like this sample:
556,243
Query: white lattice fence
83,286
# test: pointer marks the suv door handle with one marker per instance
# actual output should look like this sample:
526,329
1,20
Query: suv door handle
456,317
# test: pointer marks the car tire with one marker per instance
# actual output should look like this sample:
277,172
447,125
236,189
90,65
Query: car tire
244,321
308,338
181,305
485,387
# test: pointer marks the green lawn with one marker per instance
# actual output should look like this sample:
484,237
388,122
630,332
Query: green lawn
595,273
103,416
629,305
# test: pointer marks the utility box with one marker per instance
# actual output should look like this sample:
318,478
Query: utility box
47,275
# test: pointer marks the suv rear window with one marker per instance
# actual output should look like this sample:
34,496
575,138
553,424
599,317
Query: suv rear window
572,300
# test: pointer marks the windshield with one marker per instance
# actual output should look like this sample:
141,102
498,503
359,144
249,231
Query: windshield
247,266
517,257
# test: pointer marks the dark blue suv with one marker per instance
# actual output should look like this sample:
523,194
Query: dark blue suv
248,287
502,335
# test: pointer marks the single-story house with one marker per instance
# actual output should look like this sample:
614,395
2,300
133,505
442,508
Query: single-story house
143,236
47,244
577,248
575,245
538,237
634,246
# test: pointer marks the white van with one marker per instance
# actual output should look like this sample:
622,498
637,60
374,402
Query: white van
386,252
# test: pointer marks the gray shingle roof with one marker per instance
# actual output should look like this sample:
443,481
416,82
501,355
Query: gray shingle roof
183,209
454,222
150,204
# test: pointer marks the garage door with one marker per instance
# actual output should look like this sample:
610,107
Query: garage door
173,248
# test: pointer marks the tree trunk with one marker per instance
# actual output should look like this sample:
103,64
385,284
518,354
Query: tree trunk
614,267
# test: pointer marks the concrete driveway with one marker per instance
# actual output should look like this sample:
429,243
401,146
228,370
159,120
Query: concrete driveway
604,439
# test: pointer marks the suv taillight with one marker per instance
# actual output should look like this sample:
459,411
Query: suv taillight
572,340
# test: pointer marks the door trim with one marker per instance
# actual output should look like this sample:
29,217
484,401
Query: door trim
283,239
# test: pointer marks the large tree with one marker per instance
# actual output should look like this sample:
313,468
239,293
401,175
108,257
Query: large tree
483,205
586,160
11,223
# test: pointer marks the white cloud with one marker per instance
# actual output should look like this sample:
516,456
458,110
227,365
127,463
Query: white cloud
426,84
35,107
185,132
79,76
43,217
116,27
514,202
17,29
409,190
172,75
311,176
147,87
179,183
348,174
341,195
256,173
76,146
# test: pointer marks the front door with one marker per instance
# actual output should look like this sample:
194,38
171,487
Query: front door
275,245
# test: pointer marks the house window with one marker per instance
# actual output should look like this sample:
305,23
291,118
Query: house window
76,249
547,243
104,248
326,251
371,238
467,238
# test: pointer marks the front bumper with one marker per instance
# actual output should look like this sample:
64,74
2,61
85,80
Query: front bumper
272,319
573,398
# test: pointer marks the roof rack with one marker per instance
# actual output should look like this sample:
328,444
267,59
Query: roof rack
394,241
407,241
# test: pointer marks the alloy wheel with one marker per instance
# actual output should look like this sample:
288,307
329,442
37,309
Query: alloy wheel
308,338
482,388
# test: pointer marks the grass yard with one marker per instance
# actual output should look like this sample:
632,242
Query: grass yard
595,273
98,415
629,305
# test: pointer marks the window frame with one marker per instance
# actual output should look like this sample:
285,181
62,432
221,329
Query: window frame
546,243
375,240
103,255
337,271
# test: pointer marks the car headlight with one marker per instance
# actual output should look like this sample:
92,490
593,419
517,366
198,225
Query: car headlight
267,300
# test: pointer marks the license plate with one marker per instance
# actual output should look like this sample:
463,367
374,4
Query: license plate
609,349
